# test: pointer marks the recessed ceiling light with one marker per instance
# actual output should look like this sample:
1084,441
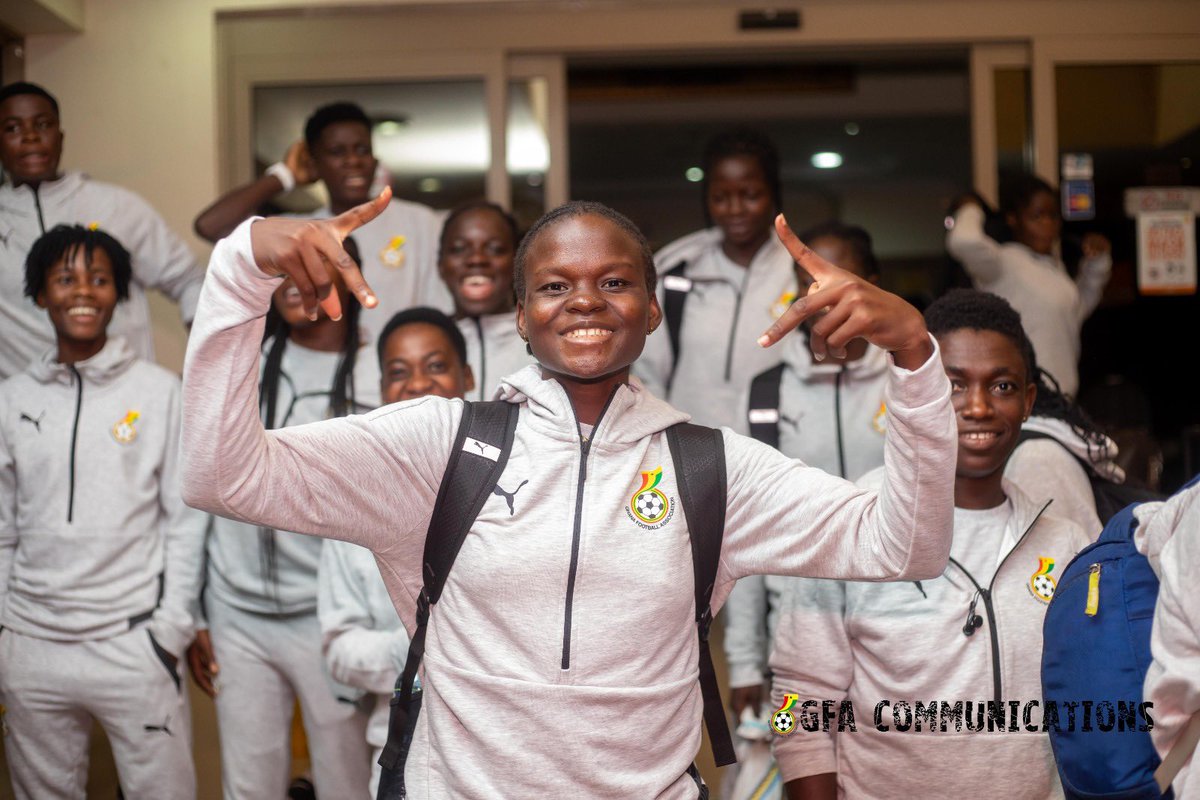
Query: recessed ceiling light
827,160
694,174
852,129
429,185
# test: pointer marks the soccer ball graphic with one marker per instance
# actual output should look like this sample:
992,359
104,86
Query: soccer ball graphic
650,505
784,722
1043,586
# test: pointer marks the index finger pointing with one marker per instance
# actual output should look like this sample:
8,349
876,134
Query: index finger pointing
349,221
332,251
803,255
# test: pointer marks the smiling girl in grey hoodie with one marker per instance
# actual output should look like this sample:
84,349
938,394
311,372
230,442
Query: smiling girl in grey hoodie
562,659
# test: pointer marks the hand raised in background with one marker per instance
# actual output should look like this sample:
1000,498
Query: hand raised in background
300,163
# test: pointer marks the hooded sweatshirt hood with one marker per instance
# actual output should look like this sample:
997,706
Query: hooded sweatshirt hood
641,414
1100,458
101,369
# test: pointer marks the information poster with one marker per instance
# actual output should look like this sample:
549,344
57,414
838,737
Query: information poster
1167,252
1166,226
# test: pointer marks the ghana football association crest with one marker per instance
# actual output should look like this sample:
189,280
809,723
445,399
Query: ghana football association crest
125,431
649,507
783,721
393,256
1040,583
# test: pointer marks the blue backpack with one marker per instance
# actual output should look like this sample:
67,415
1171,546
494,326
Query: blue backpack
1095,653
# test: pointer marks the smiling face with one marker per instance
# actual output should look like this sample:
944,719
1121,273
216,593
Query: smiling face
418,360
586,309
992,397
79,296
344,161
1038,223
30,139
476,262
739,201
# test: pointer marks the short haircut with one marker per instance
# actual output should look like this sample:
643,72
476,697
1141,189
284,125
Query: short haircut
21,87
854,237
1019,191
429,316
331,114
61,243
981,311
478,205
581,208
747,142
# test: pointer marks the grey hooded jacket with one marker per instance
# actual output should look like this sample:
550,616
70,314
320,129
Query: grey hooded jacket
94,536
562,657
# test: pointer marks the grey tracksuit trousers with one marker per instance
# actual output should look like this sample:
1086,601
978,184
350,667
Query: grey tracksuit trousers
51,690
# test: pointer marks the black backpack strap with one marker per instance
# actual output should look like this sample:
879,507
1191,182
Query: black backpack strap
480,452
676,288
699,457
763,413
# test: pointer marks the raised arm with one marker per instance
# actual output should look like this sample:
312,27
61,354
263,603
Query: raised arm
967,242
785,518
1094,271
370,479
239,204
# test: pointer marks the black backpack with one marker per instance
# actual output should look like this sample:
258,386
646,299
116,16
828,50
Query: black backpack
699,457
676,288
1109,497
763,414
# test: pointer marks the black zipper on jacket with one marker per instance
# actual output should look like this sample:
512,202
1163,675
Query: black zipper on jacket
481,378
585,446
74,439
737,312
837,418
990,610
37,203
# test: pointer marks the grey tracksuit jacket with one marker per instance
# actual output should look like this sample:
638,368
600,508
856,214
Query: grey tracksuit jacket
93,533
160,261
562,657
494,350
904,642
727,309
830,417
